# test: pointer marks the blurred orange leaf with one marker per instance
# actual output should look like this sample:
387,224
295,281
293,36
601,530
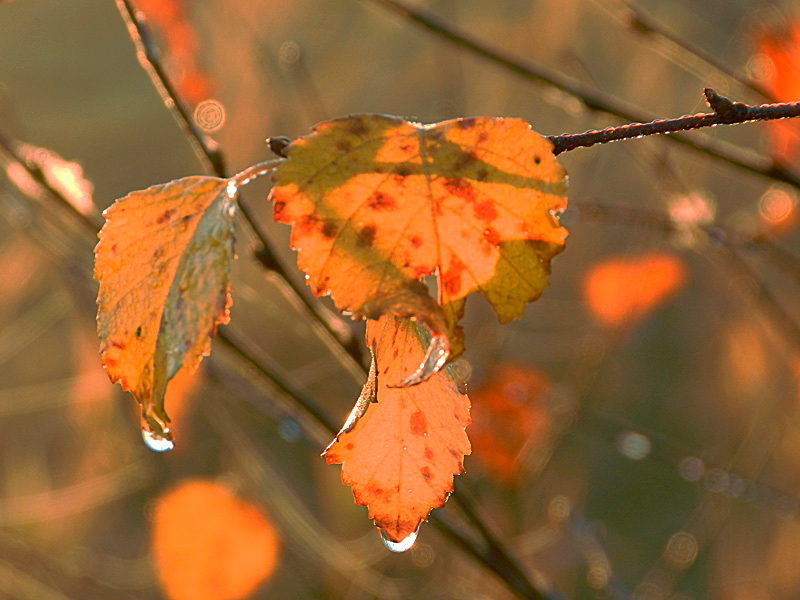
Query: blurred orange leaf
162,263
623,290
377,203
400,447
782,79
210,545
510,414
170,18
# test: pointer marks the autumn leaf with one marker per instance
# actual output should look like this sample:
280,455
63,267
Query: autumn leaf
781,76
511,418
401,447
378,203
622,290
210,545
162,263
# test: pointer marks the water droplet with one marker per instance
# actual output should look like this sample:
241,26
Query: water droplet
232,189
155,433
402,545
435,357
157,443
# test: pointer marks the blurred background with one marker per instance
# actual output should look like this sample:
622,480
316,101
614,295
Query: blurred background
636,434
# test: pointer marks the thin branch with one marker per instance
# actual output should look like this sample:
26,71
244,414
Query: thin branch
726,112
205,148
9,149
630,16
591,98
212,158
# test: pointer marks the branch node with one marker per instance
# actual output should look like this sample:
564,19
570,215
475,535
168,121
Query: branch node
729,111
278,145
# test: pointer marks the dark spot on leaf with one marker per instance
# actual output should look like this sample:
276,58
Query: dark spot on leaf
380,201
343,146
349,445
426,473
329,228
460,188
483,174
482,136
379,169
366,236
308,222
277,208
139,331
428,454
120,345
165,216
403,170
537,159
395,353
374,490
416,241
485,211
419,424
451,278
465,123
464,161
491,235
358,127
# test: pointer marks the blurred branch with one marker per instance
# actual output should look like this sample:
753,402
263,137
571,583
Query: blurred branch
591,98
212,158
205,148
679,50
726,112
8,151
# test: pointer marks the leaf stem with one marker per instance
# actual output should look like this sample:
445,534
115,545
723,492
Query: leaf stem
254,172
726,112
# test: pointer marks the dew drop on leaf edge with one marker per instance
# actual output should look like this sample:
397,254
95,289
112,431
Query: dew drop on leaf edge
156,442
403,545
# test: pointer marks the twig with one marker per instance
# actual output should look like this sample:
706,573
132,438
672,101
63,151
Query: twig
212,158
592,98
9,149
726,112
634,18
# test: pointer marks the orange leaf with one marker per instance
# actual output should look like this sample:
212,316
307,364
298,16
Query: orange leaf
162,263
400,447
510,415
623,290
782,51
209,545
377,203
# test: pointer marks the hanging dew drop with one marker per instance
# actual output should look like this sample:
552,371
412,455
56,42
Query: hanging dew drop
155,433
402,545
155,442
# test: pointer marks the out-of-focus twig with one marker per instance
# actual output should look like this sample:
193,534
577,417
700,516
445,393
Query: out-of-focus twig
592,98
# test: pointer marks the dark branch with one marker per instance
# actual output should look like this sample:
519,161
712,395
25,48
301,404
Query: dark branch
212,158
726,112
590,97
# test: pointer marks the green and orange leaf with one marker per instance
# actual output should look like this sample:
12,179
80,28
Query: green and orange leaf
378,203
401,447
162,262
